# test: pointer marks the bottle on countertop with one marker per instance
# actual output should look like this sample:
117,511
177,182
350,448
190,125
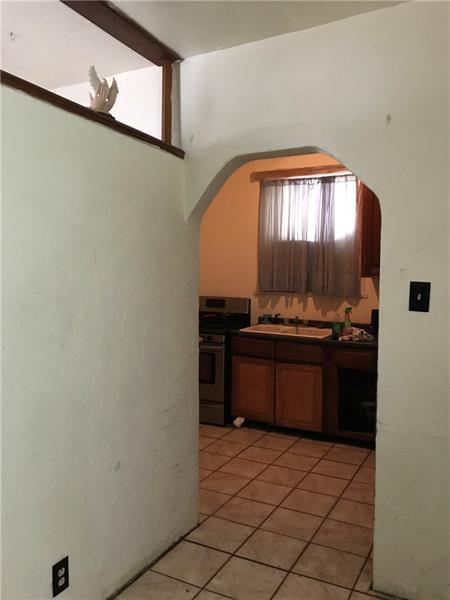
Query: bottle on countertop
337,327
347,321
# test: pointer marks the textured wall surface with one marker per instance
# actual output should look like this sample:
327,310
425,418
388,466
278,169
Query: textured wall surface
372,92
99,408
100,401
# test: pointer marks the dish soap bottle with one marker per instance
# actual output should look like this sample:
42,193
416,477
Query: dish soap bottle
347,321
337,327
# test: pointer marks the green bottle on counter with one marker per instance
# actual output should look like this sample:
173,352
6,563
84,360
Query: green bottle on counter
347,318
337,327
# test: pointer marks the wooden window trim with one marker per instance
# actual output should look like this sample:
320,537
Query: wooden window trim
124,29
120,26
166,113
296,172
82,111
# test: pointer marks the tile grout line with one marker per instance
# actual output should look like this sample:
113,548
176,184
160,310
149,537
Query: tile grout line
296,438
371,546
235,495
251,480
291,537
340,497
256,528
259,526
349,481
319,458
270,566
312,537
280,505
315,533
323,518
361,572
203,587
255,478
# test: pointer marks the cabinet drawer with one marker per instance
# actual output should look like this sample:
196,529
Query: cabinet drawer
355,359
248,347
305,353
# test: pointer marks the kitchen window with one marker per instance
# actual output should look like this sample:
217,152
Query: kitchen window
308,236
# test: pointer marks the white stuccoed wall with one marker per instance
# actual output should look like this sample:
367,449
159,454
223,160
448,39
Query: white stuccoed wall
371,91
100,399
99,297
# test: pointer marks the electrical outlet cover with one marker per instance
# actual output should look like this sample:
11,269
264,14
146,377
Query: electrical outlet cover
60,576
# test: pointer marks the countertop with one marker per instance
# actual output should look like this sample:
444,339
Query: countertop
278,337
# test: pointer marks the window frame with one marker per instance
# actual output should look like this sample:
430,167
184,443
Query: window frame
328,171
121,27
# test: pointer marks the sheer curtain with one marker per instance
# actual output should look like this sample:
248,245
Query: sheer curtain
308,237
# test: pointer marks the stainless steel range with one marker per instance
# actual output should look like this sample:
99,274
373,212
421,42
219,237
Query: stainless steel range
218,316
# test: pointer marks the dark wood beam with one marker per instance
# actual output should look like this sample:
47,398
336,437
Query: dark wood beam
121,27
297,172
42,94
166,114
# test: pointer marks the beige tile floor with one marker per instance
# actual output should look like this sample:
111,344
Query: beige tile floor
281,518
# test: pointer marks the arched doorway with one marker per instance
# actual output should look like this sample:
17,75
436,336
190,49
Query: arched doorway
224,229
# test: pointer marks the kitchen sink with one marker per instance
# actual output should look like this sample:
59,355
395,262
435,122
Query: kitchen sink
296,331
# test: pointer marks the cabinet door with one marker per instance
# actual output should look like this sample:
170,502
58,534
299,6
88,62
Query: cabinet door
253,388
351,393
299,398
370,232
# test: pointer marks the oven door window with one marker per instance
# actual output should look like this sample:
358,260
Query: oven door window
207,368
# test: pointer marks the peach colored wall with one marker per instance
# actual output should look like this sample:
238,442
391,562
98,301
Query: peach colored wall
229,250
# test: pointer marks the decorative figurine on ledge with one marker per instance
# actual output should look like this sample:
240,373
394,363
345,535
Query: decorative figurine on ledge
104,95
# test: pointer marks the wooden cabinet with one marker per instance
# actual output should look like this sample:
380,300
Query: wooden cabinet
352,393
253,388
370,232
299,398
328,387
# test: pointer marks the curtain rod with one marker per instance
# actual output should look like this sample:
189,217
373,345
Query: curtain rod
298,172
